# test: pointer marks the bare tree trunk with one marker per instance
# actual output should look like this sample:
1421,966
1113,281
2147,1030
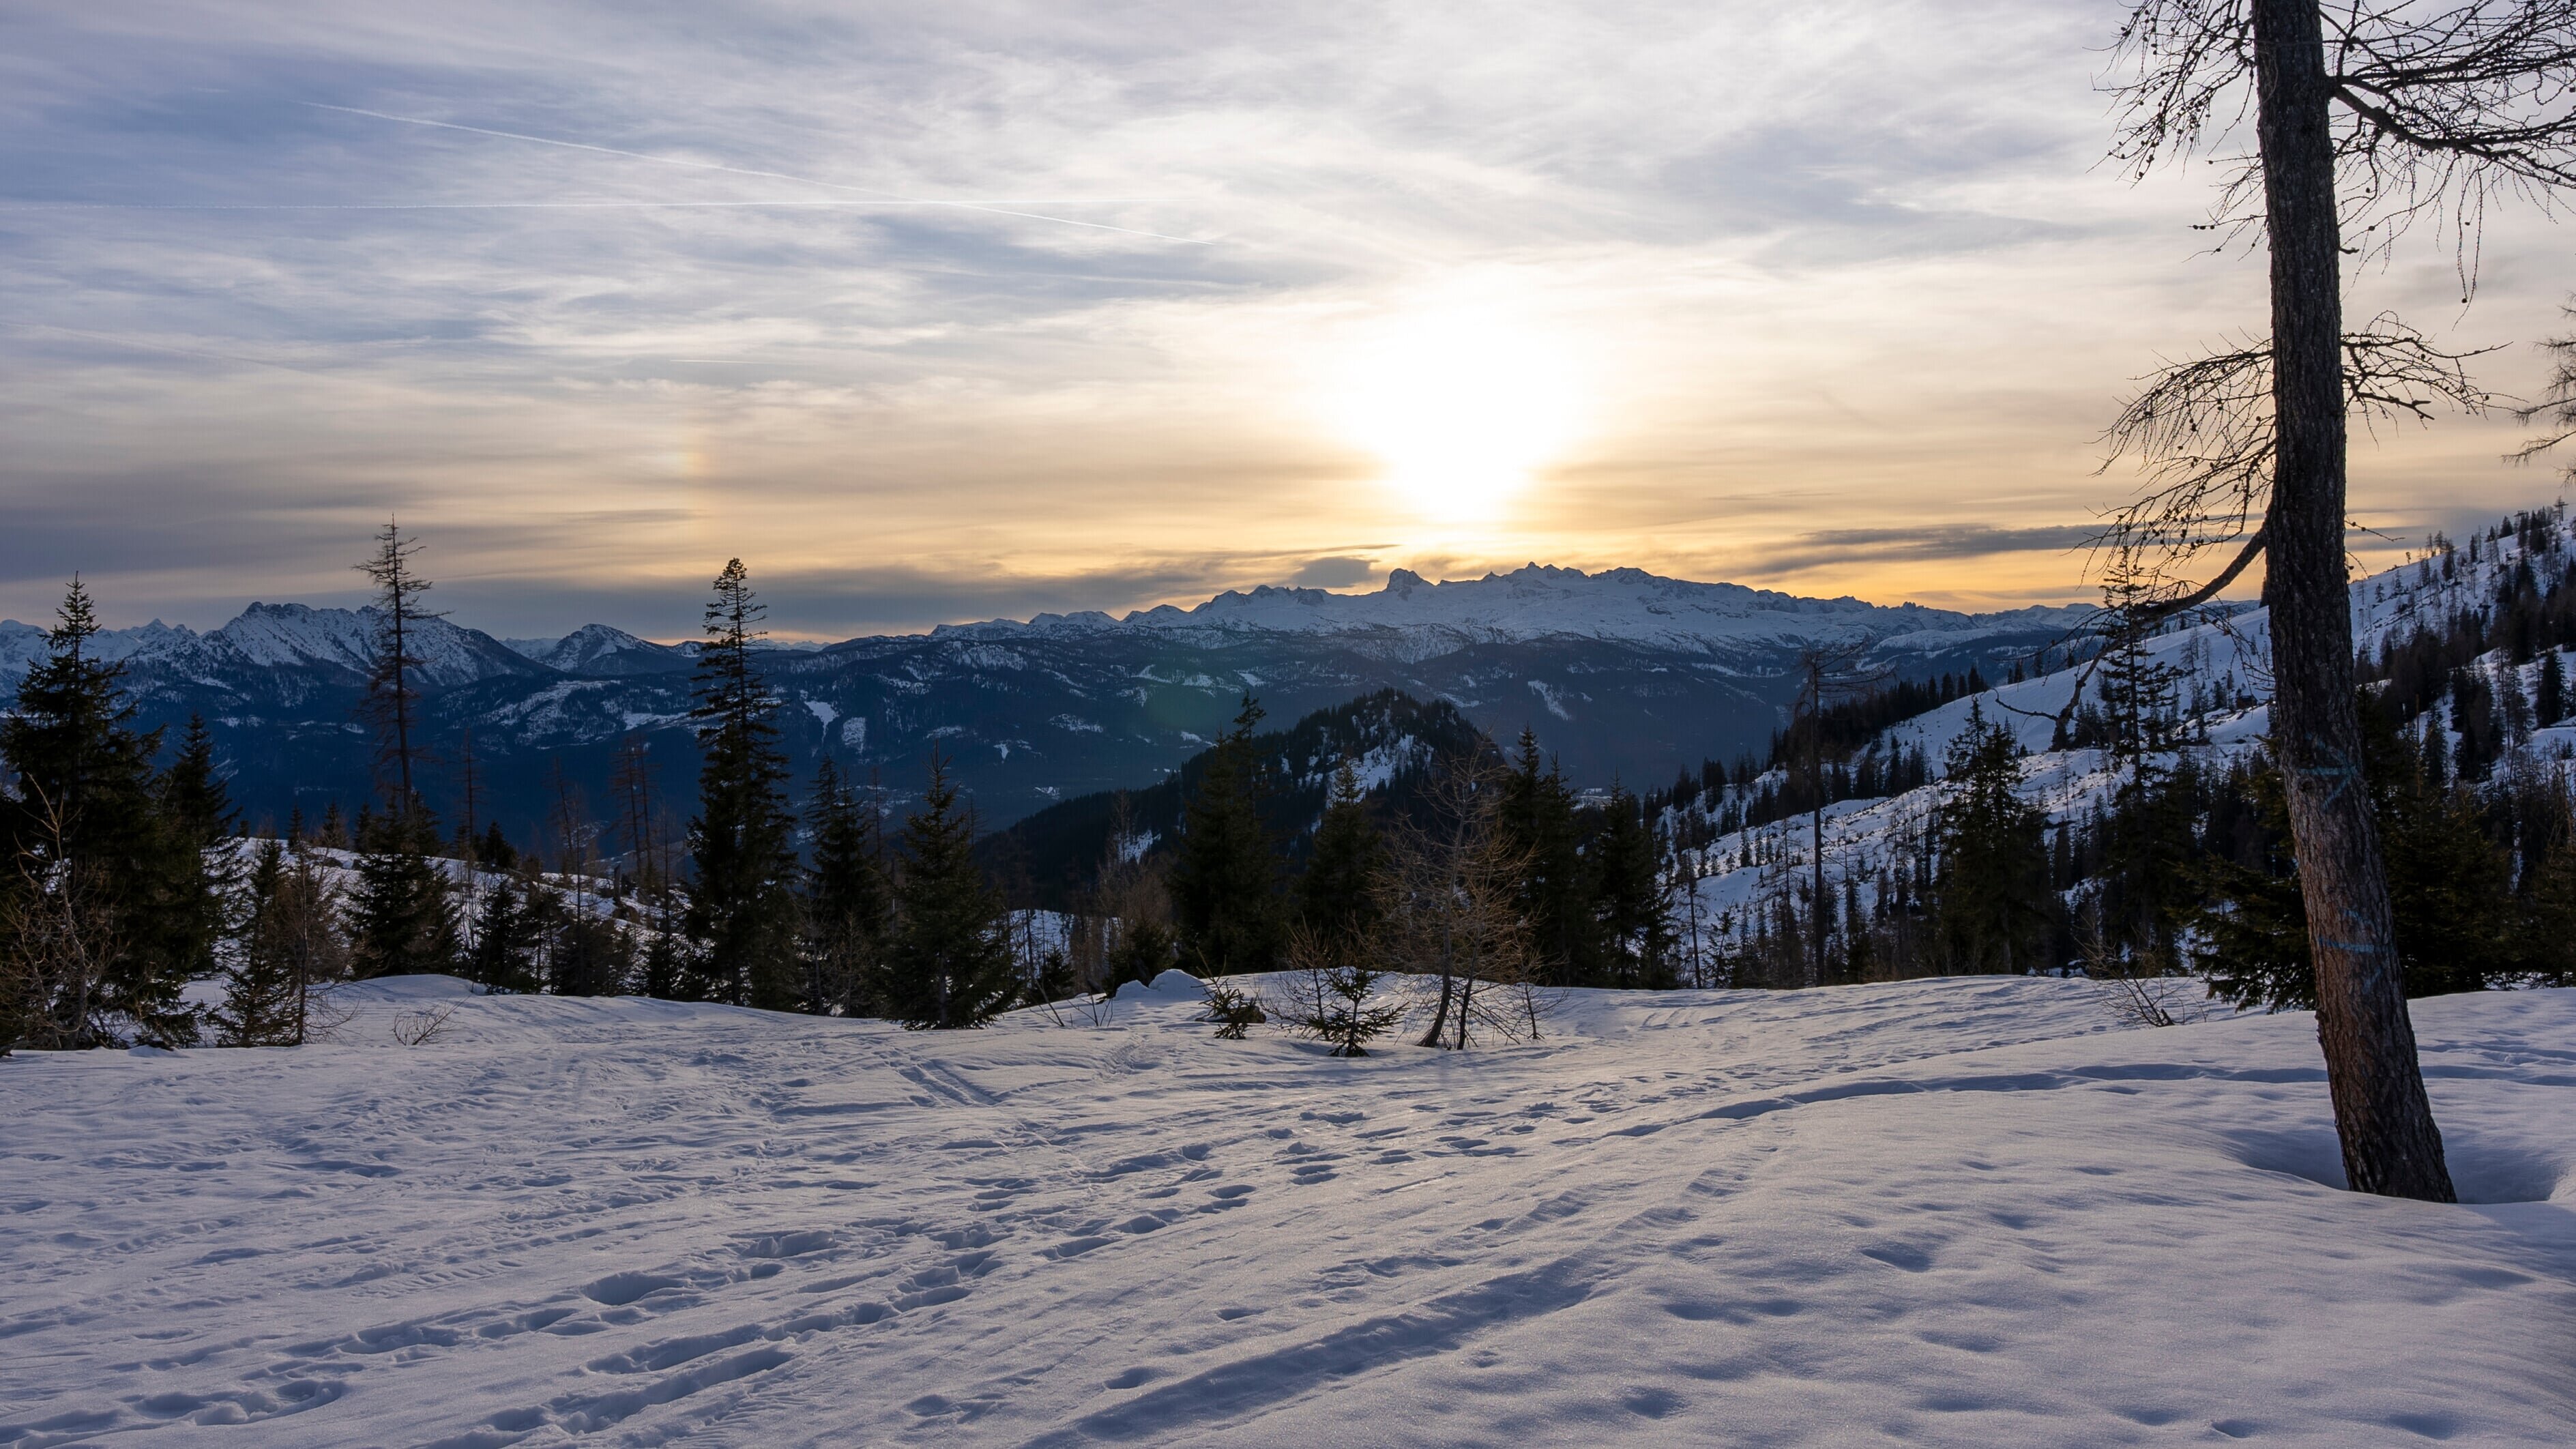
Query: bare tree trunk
1448,988
2390,1145
1816,841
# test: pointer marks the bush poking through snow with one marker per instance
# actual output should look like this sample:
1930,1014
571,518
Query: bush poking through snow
1234,1009
422,1028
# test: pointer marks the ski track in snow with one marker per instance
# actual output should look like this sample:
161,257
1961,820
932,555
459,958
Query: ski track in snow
1953,1212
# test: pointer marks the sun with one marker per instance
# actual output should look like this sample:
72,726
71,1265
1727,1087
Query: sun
1461,409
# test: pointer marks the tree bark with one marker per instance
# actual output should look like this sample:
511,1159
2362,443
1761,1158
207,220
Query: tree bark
2390,1144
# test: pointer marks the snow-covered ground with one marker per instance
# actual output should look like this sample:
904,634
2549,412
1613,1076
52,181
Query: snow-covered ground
1964,1212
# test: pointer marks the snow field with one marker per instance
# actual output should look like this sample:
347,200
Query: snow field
1950,1212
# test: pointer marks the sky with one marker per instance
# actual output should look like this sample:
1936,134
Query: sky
943,312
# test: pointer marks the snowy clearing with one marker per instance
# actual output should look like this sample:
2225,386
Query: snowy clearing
1947,1212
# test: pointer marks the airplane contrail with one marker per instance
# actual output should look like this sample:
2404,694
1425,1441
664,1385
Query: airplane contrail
748,171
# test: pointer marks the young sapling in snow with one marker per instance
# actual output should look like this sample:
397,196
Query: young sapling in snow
1234,1009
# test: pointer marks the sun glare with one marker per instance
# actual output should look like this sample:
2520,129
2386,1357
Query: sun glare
1460,409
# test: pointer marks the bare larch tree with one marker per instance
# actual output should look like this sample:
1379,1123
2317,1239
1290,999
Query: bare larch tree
393,695
2368,117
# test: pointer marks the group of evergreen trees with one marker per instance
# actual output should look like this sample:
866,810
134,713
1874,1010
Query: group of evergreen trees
126,878
109,903
1585,879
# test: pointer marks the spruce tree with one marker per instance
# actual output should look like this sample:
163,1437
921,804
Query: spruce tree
847,909
1225,884
263,999
949,964
2549,703
1339,897
1992,881
1347,1018
88,809
2450,890
1538,826
197,817
1628,898
402,916
741,919
507,940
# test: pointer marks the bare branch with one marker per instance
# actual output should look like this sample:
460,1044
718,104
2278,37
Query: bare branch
2201,430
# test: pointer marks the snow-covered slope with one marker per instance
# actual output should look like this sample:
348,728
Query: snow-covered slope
2223,686
1939,1213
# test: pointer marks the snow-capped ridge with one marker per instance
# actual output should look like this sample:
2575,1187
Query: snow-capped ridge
1538,601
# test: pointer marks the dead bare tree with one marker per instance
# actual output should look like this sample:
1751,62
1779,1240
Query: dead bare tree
2367,118
1453,901
392,701
58,941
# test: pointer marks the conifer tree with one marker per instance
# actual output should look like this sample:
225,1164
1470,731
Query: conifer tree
1992,884
1337,1006
263,1001
848,912
197,816
2449,887
587,955
741,918
1537,822
1339,896
1225,884
2549,702
402,915
507,939
1628,898
948,965
88,805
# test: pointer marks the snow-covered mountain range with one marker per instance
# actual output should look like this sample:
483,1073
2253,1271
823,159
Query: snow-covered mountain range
1622,673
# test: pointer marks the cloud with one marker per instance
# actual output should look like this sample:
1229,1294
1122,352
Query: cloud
1861,255
1829,547
1339,572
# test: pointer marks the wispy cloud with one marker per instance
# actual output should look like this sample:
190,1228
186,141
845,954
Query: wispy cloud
1828,547
961,305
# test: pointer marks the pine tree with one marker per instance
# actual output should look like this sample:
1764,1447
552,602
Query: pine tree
2549,704
402,916
848,912
1225,887
1992,882
88,805
741,918
1338,897
948,965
